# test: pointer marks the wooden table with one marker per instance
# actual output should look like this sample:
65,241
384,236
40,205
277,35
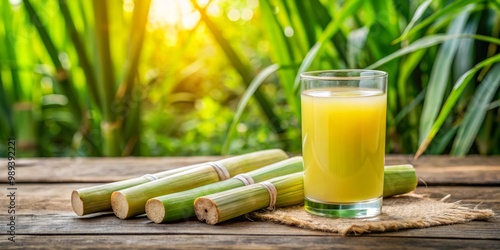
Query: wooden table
44,218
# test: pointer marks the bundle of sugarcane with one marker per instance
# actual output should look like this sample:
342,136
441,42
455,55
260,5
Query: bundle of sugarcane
179,205
98,198
283,191
131,201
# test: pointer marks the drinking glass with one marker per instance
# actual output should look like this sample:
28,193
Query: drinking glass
343,141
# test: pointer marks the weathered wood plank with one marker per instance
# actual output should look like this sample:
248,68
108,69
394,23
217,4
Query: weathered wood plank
239,242
44,209
55,198
96,169
44,218
434,170
109,225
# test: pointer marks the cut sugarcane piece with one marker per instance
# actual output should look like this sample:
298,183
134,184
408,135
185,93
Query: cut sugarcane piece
98,198
179,205
229,204
131,201
219,207
399,179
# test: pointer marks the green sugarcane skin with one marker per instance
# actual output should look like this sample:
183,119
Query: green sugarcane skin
97,198
243,200
399,179
291,189
285,167
236,202
137,196
180,205
249,162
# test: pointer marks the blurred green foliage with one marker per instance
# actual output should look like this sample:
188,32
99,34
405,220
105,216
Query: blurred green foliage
187,77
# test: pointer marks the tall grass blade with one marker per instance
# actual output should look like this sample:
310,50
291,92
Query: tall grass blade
111,124
451,9
8,50
476,112
81,51
132,106
106,78
6,113
439,78
62,74
282,52
466,54
136,40
254,85
347,10
427,42
241,68
418,14
407,109
458,88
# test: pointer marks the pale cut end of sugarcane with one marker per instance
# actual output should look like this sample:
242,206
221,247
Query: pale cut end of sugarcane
155,210
206,210
119,204
77,203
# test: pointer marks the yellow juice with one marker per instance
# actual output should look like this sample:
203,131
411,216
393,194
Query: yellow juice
343,138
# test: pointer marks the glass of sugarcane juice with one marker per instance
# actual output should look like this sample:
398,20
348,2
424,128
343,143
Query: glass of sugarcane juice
343,141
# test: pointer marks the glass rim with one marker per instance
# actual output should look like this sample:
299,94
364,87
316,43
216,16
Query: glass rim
314,75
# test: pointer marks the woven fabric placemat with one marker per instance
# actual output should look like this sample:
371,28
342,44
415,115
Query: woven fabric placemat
401,212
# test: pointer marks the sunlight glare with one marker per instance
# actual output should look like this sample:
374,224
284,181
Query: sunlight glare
246,14
180,13
288,31
233,15
128,5
15,2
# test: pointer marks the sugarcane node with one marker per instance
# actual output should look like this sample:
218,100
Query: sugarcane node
119,205
77,203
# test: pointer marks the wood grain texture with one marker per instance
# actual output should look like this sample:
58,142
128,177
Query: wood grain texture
434,170
250,242
45,209
45,220
50,225
97,169
56,198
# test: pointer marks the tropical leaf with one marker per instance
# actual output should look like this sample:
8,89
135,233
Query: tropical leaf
451,100
439,77
62,75
476,112
245,98
418,14
241,68
426,42
81,50
104,64
453,8
282,52
348,9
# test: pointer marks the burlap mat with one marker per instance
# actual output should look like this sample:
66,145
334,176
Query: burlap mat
402,212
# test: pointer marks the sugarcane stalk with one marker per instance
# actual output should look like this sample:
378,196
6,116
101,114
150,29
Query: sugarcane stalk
179,205
219,207
131,201
98,198
399,179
